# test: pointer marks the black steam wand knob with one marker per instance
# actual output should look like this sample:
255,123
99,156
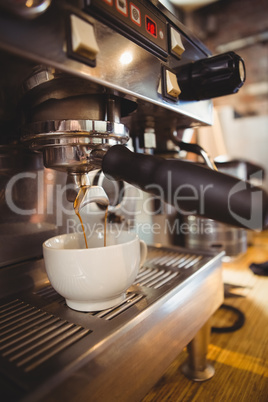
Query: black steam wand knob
214,76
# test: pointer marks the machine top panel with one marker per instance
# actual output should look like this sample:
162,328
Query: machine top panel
120,46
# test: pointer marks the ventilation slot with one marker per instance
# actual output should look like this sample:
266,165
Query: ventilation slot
130,300
108,314
154,278
49,293
30,336
174,259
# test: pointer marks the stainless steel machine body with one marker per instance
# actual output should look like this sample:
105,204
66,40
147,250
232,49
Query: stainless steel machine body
75,77
48,351
53,95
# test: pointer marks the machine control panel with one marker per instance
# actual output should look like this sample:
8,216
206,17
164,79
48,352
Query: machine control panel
134,19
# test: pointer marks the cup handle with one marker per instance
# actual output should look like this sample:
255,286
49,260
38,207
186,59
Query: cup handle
143,252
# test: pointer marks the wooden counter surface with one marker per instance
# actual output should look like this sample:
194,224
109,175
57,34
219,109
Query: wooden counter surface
240,358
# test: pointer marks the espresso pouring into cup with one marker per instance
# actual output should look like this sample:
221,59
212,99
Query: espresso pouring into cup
86,195
78,111
93,273
78,145
97,277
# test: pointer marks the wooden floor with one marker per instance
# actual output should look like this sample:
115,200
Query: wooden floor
240,358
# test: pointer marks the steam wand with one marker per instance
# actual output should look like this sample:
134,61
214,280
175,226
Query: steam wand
195,149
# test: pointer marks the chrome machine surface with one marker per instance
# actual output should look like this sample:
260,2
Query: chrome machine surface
46,40
77,77
48,351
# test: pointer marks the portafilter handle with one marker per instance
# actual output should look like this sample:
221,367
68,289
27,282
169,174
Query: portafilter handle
191,188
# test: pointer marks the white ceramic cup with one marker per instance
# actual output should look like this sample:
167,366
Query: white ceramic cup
97,277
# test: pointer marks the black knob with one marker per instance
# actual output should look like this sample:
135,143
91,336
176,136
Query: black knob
209,78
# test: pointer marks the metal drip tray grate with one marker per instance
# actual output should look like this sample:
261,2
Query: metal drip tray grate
130,300
154,277
171,259
48,293
40,337
163,265
30,336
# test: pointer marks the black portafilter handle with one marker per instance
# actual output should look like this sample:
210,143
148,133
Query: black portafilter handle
214,76
190,188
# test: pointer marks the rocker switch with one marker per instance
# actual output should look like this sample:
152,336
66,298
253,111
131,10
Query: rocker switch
176,42
172,86
83,38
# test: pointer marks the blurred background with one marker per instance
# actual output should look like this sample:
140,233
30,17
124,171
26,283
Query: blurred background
240,129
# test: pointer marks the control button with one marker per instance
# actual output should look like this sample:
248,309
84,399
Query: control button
175,42
135,14
83,38
121,6
172,86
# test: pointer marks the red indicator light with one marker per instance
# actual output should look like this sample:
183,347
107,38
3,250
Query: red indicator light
150,26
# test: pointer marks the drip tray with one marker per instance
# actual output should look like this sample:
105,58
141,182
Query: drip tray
48,351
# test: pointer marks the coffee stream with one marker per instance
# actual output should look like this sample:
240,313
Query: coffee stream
105,225
77,203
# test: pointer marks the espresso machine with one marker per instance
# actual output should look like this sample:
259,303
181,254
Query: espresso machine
93,93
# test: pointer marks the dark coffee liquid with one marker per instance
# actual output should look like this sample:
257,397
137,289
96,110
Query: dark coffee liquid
77,202
105,225
83,228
